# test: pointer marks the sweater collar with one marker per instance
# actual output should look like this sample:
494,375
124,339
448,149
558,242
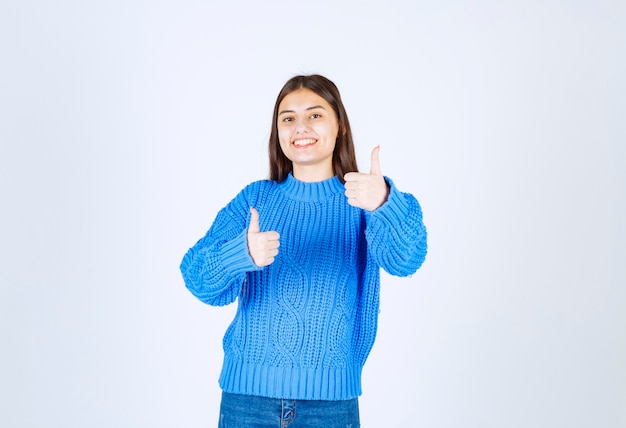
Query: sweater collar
311,192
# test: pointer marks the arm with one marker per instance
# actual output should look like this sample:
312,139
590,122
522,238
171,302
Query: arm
395,233
396,236
215,267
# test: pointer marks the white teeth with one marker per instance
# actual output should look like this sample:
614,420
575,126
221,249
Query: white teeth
304,142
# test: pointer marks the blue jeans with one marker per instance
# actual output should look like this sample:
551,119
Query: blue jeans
248,411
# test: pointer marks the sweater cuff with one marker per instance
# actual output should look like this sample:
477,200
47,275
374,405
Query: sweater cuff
395,208
235,257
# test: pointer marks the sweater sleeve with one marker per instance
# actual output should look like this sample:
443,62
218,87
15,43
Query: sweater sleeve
214,269
395,233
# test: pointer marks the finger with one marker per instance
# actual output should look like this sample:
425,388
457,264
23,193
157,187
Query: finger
351,176
351,193
351,185
254,221
272,236
375,168
354,176
272,252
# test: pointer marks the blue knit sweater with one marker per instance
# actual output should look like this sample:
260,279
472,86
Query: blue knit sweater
306,323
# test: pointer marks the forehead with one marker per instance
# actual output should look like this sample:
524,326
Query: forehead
302,99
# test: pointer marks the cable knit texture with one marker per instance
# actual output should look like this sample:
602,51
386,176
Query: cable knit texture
306,323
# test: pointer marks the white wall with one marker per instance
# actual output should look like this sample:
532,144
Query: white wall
126,126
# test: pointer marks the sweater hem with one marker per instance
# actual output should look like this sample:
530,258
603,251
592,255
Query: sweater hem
293,383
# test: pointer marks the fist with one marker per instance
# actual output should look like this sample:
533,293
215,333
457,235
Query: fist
262,246
367,191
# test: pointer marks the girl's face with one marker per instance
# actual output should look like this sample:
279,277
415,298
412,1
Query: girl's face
307,132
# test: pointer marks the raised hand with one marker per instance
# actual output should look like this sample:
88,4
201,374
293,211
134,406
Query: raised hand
262,246
367,191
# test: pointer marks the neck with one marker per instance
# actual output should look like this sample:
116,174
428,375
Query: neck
312,174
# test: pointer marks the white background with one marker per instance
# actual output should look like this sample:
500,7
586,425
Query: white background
126,125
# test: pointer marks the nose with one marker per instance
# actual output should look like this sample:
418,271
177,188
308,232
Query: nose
301,126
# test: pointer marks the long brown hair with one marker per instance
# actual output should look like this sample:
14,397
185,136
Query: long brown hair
344,159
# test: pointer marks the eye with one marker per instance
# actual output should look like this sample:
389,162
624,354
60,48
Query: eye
287,119
316,116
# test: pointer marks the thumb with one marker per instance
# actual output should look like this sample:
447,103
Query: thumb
375,168
254,221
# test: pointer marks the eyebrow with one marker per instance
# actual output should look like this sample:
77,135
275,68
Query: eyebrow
293,111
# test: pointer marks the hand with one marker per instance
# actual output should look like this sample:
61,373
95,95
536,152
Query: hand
262,246
367,191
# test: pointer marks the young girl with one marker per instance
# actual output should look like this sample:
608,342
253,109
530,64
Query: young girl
302,253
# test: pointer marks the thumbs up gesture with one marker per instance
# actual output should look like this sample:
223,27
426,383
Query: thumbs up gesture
367,191
262,246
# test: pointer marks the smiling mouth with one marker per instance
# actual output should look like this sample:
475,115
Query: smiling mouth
304,142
